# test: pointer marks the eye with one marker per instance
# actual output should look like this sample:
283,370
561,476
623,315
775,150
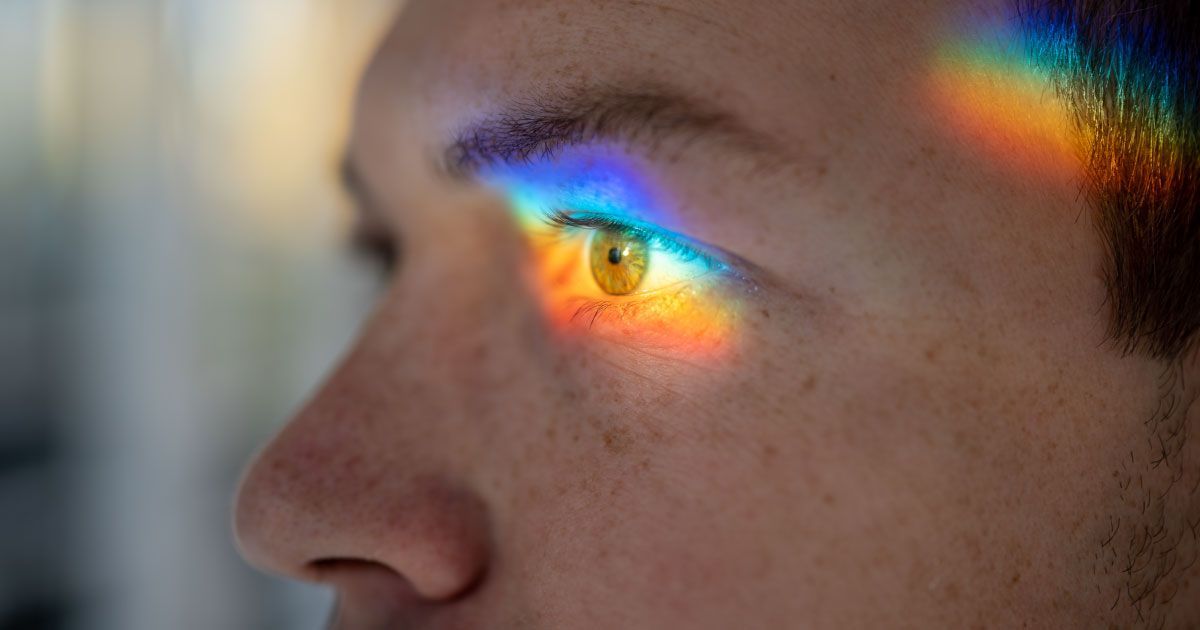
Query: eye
618,261
629,259
601,270
635,282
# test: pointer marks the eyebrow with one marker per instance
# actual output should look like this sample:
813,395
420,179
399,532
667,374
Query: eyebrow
540,127
537,128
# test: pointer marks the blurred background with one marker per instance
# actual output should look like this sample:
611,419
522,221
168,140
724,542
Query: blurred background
173,281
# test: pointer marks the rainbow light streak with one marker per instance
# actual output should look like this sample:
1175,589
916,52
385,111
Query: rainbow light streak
1131,90
685,305
1005,107
1042,99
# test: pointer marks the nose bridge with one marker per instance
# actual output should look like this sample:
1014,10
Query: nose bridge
462,305
378,466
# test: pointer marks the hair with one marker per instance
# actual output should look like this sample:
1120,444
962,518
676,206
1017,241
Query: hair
1129,71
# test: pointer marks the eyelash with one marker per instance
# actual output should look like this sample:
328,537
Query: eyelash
659,238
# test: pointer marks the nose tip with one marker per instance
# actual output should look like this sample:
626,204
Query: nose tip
303,524
377,470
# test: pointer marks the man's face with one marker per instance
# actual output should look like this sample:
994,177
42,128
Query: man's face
867,389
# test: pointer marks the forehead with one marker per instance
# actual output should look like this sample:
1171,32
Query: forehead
786,34
796,69
884,159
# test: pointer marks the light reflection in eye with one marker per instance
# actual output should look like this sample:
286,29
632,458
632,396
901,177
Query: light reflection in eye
663,291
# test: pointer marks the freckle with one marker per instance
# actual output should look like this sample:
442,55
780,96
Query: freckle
931,354
766,313
1015,578
832,76
617,440
809,384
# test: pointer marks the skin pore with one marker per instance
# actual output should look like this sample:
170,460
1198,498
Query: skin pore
890,402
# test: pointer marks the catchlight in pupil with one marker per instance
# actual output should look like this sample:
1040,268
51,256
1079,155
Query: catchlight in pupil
618,261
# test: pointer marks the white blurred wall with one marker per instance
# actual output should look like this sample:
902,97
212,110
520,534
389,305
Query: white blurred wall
173,282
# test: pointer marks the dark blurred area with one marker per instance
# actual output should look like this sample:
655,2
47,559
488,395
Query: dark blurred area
173,281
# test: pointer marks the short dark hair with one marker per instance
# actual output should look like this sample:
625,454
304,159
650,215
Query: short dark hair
1130,73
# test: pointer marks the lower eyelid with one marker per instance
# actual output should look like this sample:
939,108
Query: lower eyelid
625,306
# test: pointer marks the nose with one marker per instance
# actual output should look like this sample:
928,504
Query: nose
383,467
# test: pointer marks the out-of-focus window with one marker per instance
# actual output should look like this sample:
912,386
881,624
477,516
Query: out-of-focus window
172,282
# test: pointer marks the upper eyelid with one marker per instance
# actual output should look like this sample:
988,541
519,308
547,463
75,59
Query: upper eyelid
507,180
644,230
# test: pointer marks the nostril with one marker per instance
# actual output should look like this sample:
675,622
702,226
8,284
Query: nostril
423,539
327,501
433,541
370,594
379,581
325,566
383,579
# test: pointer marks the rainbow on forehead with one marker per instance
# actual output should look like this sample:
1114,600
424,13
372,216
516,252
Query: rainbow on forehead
1130,84
988,94
1034,92
695,317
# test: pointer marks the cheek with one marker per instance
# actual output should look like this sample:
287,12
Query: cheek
630,494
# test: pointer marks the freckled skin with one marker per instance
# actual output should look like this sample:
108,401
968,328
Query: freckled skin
920,426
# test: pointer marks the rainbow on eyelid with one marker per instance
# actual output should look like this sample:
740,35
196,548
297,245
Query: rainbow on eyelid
678,300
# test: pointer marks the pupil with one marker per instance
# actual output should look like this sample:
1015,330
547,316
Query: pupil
614,256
